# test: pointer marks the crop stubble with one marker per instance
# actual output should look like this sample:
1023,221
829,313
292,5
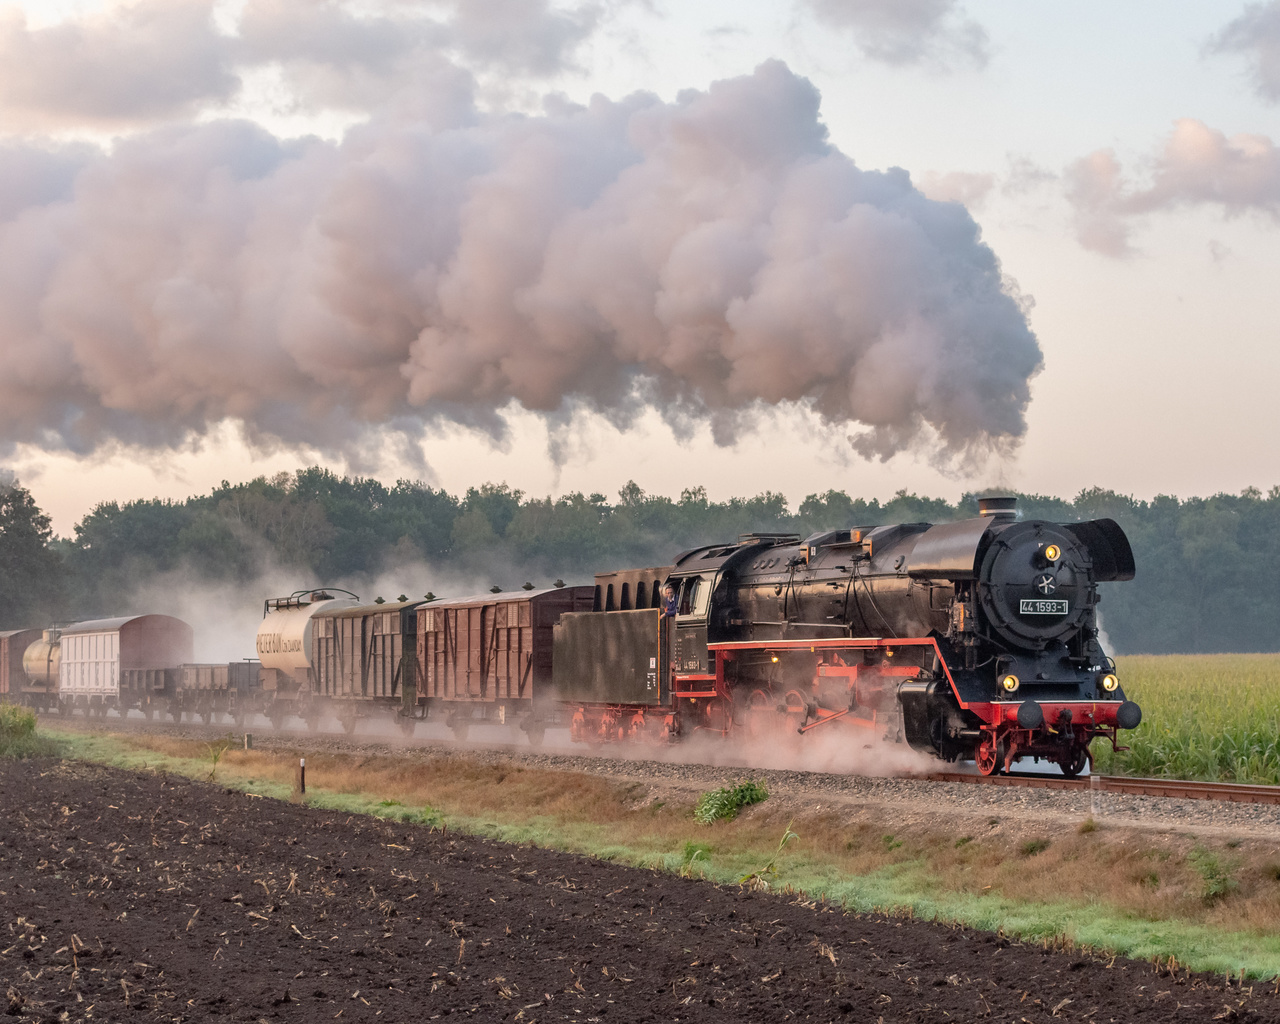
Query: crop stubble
147,897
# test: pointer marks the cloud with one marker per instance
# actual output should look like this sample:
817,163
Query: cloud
710,257
137,62
143,62
907,31
963,187
1256,35
1198,166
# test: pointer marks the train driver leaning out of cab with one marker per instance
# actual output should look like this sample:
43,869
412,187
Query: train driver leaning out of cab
668,602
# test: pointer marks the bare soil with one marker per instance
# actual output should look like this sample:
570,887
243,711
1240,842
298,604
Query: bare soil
139,896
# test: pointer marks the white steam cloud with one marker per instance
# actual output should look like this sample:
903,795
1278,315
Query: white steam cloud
709,257
1198,166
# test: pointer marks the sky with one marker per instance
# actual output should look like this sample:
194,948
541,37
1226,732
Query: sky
793,246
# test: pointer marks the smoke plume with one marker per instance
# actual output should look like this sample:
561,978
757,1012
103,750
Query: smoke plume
710,256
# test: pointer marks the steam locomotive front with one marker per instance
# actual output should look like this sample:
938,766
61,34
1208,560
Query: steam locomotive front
1022,649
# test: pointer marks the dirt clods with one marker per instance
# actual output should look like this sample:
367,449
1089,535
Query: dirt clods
129,896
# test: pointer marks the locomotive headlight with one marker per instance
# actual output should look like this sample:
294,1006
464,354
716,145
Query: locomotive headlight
1010,682
1052,553
1110,682
774,658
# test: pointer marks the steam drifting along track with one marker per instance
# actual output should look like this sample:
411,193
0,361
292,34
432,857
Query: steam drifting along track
1172,789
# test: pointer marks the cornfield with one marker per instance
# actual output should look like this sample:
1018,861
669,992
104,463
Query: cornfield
1206,716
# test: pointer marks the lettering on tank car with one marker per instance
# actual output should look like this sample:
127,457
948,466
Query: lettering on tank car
274,643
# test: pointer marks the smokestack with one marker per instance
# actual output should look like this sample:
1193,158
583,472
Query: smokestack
998,507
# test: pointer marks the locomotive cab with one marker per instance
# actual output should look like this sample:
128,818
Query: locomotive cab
693,604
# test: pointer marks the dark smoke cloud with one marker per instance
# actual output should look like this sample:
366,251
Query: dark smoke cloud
711,256
907,31
1197,166
1256,35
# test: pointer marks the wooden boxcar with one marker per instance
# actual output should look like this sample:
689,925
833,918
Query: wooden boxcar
489,655
122,663
13,645
360,657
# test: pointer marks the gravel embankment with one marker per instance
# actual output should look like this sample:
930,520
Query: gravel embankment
813,789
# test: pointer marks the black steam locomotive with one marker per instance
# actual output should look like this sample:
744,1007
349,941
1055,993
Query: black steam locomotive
974,639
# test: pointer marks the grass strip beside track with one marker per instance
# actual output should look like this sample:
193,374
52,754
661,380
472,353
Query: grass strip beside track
1209,904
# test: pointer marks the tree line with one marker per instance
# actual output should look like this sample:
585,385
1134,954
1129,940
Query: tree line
1207,578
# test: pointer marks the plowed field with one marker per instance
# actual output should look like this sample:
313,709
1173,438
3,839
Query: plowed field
133,896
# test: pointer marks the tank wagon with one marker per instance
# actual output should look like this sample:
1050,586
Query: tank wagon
974,639
13,645
284,647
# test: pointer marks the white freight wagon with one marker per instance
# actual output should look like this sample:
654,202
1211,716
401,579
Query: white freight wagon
122,663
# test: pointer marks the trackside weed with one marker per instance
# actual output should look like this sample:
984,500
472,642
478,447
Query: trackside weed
1215,874
725,803
18,737
696,857
216,750
759,881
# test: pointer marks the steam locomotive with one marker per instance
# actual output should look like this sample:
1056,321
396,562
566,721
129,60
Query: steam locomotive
974,639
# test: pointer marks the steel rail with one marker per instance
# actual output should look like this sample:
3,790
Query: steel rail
1175,789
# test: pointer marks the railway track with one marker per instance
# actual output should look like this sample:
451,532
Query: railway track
1176,789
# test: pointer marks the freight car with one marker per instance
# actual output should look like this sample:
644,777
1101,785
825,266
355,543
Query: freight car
974,639
489,657
121,664
360,658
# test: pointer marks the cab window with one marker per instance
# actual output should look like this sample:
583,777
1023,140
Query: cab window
695,596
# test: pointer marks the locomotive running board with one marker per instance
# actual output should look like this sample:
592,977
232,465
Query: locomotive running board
1003,710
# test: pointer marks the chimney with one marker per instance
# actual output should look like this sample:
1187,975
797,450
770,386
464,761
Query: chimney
998,507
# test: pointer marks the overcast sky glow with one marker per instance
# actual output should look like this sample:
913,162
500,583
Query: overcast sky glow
1121,162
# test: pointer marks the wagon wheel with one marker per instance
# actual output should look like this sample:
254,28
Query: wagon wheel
536,733
460,729
1072,763
987,756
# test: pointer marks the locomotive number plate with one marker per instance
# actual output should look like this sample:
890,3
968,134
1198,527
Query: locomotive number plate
1036,607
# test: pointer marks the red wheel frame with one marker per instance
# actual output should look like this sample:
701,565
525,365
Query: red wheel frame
987,756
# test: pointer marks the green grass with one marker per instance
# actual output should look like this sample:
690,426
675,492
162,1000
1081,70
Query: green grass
1207,716
933,878
18,736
